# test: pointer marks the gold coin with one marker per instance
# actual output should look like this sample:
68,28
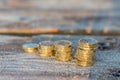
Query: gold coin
79,52
84,64
42,50
63,58
63,47
46,45
85,54
86,59
88,43
86,49
64,52
63,44
30,47
45,54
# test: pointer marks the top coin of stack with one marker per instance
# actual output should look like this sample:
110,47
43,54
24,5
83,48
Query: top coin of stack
63,50
46,49
88,43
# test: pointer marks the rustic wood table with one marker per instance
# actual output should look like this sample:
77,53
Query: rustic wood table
16,64
38,20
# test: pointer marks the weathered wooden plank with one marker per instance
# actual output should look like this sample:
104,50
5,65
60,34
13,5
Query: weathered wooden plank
18,24
79,17
64,4
15,64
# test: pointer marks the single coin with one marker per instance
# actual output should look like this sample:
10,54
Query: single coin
63,43
84,64
30,47
46,45
88,43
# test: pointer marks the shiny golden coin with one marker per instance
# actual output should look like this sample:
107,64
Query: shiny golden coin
47,45
83,50
77,59
63,44
43,50
64,52
84,64
81,46
80,52
46,54
63,58
30,47
63,49
88,43
85,59
85,55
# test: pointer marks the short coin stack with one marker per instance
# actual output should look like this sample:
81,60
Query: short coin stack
46,49
85,55
63,50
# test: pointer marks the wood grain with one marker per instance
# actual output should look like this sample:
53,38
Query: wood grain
79,17
15,64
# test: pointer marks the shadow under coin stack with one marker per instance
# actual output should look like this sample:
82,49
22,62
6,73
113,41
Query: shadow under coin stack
63,50
85,55
46,49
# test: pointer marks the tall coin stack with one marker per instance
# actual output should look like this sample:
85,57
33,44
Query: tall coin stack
85,55
63,50
46,49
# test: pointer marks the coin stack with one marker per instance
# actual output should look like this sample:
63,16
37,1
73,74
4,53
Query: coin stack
46,49
63,50
85,55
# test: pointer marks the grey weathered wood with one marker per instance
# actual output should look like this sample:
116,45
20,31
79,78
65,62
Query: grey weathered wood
16,64
18,24
63,4
73,16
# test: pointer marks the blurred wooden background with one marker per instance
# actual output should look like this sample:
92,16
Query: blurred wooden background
54,16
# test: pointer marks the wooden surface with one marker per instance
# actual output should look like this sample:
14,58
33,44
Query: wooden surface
18,65
71,17
57,17
53,4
